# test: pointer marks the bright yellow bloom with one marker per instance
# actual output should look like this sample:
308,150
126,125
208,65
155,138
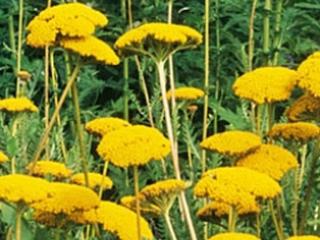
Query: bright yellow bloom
186,93
145,206
91,47
232,143
68,198
135,145
306,237
102,126
16,188
305,108
3,157
20,104
51,168
71,20
95,180
161,33
270,159
234,236
266,84
309,74
299,131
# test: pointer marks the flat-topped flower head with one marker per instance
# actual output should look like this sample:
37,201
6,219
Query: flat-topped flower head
70,19
146,208
185,93
232,143
96,180
18,188
67,198
91,47
305,237
266,84
49,168
298,131
102,126
3,157
19,104
305,108
270,159
146,37
234,236
133,146
309,74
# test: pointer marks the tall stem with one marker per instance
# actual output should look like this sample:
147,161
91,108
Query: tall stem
136,190
19,48
169,225
12,40
232,221
296,198
19,211
277,31
266,32
275,221
251,35
105,168
46,95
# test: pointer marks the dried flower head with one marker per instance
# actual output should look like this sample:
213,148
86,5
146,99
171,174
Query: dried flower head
102,126
24,75
3,157
186,93
96,180
20,104
234,236
266,84
49,168
135,145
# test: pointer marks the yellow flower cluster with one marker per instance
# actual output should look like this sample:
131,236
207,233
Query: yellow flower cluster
3,157
95,180
51,168
266,84
16,188
186,93
270,159
91,47
71,20
307,107
234,236
145,206
102,126
20,104
298,131
309,74
306,237
232,143
135,145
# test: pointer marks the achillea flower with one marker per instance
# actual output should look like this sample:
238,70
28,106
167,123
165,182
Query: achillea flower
270,159
20,104
186,93
266,84
146,207
305,108
68,198
91,47
232,143
50,168
3,157
234,236
17,188
102,126
95,180
309,74
299,131
306,237
135,145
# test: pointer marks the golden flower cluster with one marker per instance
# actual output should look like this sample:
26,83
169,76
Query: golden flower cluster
232,143
185,93
3,157
306,237
51,168
95,180
266,84
234,236
19,104
270,159
135,145
102,126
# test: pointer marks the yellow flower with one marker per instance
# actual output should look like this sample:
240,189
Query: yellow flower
95,180
135,145
270,159
47,167
16,188
68,198
172,35
71,20
306,237
232,143
102,126
20,104
309,74
91,47
234,236
145,206
3,157
266,84
186,93
299,131
305,108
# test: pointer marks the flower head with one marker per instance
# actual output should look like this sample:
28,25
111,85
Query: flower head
186,93
234,236
232,143
266,84
3,157
95,180
270,159
51,168
135,145
305,237
146,208
20,104
102,126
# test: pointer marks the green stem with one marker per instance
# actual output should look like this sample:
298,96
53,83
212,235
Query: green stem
251,35
294,211
169,225
19,212
12,40
136,190
218,58
266,32
270,115
232,220
57,234
105,168
46,96
277,31
126,89
275,220
258,225
19,48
